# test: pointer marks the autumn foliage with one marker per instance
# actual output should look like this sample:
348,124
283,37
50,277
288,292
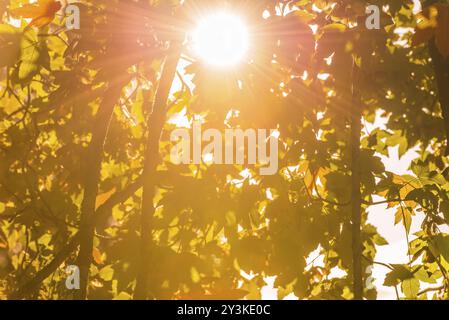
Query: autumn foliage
86,177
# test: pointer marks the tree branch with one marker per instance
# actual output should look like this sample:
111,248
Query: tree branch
356,206
92,179
32,285
430,290
441,68
155,125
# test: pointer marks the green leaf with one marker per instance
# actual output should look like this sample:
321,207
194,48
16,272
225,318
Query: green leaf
410,288
398,274
444,208
403,215
442,243
29,55
379,240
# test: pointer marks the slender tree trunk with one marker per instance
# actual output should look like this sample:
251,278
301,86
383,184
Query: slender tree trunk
441,66
155,125
92,177
356,203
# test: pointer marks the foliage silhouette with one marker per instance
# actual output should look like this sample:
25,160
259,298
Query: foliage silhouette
85,172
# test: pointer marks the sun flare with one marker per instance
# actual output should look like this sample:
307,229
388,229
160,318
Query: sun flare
221,39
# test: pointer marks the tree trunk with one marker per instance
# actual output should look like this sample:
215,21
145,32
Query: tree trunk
356,197
92,178
441,66
155,125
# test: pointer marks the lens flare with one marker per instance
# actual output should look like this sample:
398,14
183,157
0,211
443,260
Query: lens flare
221,39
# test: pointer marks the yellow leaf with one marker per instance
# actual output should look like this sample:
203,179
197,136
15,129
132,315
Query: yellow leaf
407,183
106,273
194,274
28,11
123,296
102,198
404,215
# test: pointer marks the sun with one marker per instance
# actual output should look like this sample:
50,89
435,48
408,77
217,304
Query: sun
221,39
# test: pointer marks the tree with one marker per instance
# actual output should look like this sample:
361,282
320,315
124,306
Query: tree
85,171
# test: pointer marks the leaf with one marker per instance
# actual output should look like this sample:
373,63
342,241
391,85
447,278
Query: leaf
194,275
106,273
442,243
215,294
123,296
295,39
407,184
424,276
29,55
41,13
231,219
102,198
9,45
98,258
399,273
403,215
379,240
28,11
410,287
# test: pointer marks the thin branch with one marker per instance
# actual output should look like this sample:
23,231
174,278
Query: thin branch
31,286
430,290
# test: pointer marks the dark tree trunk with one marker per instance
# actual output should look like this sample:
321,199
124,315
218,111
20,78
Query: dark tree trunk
441,66
91,180
356,203
155,125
